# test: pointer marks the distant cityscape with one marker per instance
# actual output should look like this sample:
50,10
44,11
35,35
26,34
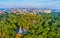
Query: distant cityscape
27,10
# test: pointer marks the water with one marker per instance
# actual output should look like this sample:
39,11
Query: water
2,8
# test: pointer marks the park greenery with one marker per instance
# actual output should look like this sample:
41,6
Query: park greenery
42,25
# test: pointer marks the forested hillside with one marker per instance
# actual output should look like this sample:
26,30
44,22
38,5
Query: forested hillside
41,26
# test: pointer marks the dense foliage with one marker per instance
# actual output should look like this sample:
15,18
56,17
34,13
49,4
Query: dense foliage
41,26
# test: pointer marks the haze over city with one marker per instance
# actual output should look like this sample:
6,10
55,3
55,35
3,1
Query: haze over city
30,4
29,18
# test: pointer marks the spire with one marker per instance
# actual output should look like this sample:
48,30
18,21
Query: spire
20,30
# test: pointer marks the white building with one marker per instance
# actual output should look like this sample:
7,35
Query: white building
47,11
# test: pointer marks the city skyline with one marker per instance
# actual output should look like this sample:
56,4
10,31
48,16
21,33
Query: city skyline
54,4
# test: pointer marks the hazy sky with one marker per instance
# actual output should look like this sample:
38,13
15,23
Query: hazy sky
30,3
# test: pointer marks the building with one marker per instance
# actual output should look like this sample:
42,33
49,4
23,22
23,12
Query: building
20,32
47,11
1,12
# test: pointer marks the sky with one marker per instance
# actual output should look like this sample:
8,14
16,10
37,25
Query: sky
30,3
